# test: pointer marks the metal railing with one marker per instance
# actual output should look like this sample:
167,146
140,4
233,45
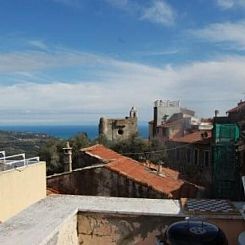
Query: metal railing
17,160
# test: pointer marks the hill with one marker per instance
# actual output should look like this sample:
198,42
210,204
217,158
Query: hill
22,142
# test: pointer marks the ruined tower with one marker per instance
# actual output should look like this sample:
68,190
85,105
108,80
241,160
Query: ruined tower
119,129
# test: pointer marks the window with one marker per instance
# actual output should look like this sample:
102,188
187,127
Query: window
120,132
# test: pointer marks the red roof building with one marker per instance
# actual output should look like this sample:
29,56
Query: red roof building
164,181
237,114
191,155
195,137
240,106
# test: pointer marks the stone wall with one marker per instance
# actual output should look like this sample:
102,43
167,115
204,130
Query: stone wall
99,181
104,229
118,129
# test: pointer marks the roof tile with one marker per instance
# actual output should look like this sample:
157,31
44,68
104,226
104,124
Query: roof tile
195,137
138,172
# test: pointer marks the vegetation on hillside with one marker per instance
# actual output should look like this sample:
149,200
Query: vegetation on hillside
22,142
141,150
52,152
135,147
50,149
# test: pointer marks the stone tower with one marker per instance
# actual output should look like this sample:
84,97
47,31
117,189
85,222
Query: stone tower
119,129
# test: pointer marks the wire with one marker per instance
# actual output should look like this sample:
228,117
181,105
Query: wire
158,151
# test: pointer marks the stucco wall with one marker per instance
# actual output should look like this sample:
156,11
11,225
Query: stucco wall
19,188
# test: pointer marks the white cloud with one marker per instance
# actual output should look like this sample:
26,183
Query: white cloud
230,33
157,53
114,86
40,60
159,12
225,4
228,4
155,11
38,44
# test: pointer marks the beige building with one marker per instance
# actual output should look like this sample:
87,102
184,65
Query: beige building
22,182
170,120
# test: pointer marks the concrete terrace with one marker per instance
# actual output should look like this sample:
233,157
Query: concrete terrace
65,219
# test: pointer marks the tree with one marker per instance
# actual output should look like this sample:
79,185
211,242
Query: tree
79,141
52,154
141,150
102,139
157,149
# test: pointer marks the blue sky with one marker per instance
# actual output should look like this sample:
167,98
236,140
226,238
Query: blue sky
72,61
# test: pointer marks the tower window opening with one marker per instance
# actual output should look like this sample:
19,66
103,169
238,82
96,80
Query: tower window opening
120,131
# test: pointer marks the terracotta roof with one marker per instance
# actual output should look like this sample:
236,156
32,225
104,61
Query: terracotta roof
101,152
195,137
170,172
238,107
51,191
163,170
136,171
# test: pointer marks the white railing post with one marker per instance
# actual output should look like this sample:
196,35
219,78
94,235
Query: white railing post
23,161
3,154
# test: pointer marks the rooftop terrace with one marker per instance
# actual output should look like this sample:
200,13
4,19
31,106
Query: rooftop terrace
65,219
22,182
14,161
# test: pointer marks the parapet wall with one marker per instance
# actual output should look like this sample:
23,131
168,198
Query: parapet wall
20,187
113,229
70,220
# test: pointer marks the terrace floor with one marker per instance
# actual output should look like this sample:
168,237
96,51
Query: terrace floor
65,219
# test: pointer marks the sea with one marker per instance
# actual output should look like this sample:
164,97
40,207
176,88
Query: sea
67,131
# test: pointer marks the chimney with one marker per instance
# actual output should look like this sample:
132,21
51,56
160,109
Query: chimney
68,157
216,113
241,102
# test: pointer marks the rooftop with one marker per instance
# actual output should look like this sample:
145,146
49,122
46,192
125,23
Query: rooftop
14,161
163,183
240,105
195,137
101,152
171,123
65,219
